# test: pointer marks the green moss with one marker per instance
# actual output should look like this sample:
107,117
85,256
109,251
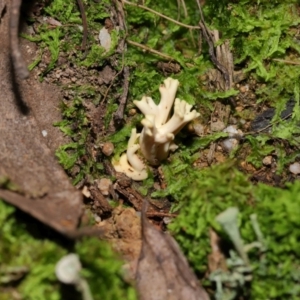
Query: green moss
211,192
24,246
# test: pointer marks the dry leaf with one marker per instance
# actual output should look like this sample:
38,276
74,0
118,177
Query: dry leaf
163,272
27,112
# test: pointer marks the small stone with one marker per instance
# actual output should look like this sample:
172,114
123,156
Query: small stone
244,88
108,148
217,126
103,186
295,168
230,143
105,39
167,220
267,161
198,129
97,218
85,191
132,112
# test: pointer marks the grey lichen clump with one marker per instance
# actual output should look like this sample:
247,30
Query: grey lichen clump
156,138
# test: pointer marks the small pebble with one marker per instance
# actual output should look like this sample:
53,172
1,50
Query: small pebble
267,161
233,131
231,142
108,148
217,126
103,186
44,133
97,218
85,191
105,39
167,220
295,168
199,129
244,88
132,112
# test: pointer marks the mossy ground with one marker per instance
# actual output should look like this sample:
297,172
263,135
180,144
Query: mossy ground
264,40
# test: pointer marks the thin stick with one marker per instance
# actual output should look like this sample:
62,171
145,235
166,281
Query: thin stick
161,15
16,56
161,214
165,56
186,15
85,30
290,62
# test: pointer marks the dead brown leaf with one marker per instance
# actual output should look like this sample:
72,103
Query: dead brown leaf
27,142
163,272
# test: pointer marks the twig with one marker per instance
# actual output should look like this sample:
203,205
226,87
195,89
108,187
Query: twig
160,15
85,28
290,62
186,15
165,56
16,56
113,80
119,114
160,214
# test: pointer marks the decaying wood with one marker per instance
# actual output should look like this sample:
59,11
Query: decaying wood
225,58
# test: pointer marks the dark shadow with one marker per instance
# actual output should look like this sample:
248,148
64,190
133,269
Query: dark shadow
21,104
2,13
40,231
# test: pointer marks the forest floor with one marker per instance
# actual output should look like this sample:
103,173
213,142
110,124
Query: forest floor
71,119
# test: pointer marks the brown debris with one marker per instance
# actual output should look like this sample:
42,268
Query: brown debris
216,260
169,67
100,202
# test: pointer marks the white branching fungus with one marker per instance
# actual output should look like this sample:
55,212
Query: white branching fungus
156,138
130,163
